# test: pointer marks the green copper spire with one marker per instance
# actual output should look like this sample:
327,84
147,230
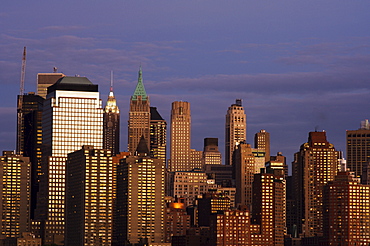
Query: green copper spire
140,90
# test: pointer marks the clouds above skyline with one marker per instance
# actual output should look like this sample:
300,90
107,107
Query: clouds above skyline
297,66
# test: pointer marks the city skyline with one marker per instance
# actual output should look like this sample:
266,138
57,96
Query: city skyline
297,66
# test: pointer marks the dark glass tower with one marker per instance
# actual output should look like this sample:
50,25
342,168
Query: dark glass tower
158,129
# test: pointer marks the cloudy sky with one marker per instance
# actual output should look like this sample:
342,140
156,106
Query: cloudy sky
297,65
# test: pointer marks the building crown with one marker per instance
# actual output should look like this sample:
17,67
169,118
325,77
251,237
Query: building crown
140,90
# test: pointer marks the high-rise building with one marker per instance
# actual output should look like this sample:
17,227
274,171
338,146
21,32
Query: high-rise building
346,211
358,148
44,80
140,198
158,135
180,137
29,138
278,162
139,116
190,185
211,154
89,196
235,129
72,117
211,203
269,207
262,142
243,170
196,159
111,129
15,174
314,166
222,174
177,221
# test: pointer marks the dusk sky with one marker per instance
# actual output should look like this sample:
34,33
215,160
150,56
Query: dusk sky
297,65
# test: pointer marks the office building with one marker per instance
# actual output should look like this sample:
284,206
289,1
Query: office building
346,211
44,80
222,174
278,162
29,138
244,169
191,185
15,192
262,142
314,166
158,135
72,117
111,128
140,198
358,148
89,195
180,137
177,221
196,159
269,207
230,227
211,154
211,203
139,116
235,129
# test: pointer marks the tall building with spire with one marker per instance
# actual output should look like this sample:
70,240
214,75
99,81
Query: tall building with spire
314,166
139,116
180,137
111,129
72,117
235,129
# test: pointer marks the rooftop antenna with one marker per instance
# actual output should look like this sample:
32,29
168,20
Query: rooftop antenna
55,69
111,80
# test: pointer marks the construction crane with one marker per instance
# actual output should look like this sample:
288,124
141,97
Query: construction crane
20,130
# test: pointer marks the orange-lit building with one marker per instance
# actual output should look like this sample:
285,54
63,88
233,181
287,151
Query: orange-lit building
176,220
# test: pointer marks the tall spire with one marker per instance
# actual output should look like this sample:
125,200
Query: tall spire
140,90
111,102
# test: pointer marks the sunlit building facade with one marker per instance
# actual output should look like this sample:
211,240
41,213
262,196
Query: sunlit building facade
262,142
139,116
72,117
313,167
358,148
211,154
235,129
89,197
111,129
140,198
180,137
15,191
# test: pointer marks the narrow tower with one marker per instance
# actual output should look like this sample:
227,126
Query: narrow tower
139,116
235,129
180,137
111,130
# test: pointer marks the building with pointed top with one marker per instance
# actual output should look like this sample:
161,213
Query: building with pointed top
158,135
139,116
235,129
140,198
111,121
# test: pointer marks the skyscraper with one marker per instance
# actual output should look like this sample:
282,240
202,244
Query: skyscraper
29,138
89,196
72,117
314,166
262,142
111,129
158,135
358,148
235,129
140,198
211,154
346,211
44,80
243,171
15,174
180,137
139,116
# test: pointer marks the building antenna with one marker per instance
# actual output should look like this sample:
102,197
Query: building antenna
20,105
111,80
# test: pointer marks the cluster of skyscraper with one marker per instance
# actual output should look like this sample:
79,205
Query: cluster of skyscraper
69,184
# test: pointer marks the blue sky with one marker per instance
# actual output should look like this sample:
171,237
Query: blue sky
297,65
